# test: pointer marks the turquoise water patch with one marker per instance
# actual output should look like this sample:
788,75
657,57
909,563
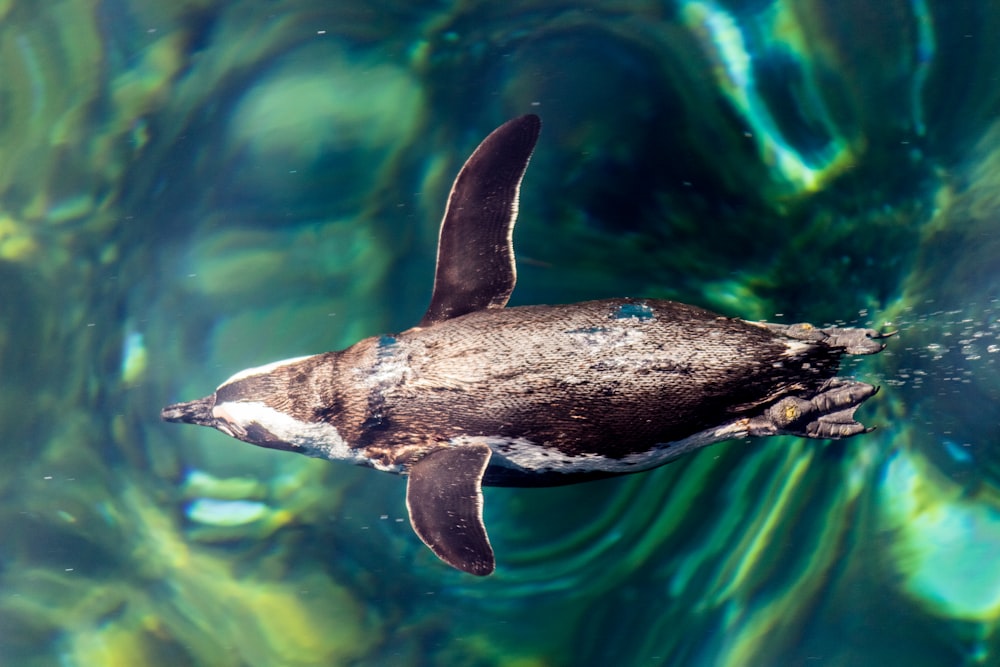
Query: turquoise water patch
633,311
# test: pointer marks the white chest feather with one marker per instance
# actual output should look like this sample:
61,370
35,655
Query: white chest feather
528,456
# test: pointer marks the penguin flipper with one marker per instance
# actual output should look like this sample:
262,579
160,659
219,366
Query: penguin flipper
475,260
444,497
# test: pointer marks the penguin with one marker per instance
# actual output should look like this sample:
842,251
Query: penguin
477,394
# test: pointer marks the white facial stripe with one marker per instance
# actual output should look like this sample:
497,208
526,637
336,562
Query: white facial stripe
230,425
319,440
528,456
261,370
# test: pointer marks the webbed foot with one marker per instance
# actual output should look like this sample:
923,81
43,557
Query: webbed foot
850,340
828,414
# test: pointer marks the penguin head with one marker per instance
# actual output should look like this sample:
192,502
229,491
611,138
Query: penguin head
284,405
253,406
235,419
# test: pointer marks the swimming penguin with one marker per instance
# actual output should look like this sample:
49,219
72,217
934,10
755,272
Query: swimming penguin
478,394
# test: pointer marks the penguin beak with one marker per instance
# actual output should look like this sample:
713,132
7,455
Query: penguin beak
193,412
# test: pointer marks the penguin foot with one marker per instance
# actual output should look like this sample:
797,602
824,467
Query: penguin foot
827,415
850,340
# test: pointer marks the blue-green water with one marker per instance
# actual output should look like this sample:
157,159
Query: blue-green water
191,188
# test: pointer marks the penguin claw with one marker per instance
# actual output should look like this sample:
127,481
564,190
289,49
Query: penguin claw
884,334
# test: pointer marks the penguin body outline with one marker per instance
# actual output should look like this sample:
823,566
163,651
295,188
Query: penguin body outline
478,394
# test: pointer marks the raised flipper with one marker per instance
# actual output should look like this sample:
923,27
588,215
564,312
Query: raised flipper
444,497
475,260
828,414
